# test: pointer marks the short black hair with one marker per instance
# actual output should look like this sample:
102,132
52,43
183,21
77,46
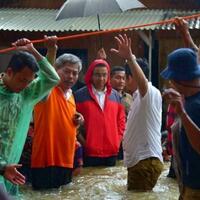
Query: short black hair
127,70
22,59
142,62
116,69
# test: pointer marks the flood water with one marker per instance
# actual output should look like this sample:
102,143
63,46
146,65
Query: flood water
104,184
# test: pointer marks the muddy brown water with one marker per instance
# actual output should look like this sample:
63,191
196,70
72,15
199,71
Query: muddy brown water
104,184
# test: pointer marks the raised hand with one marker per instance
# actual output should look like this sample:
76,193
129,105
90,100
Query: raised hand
51,41
183,28
13,175
101,54
51,44
124,47
181,25
23,44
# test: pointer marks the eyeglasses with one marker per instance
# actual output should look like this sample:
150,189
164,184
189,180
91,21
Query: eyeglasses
98,75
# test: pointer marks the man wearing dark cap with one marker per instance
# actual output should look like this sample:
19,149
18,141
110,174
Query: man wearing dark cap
183,72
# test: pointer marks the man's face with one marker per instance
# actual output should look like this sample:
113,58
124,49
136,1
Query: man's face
99,77
68,75
118,80
17,81
131,85
174,85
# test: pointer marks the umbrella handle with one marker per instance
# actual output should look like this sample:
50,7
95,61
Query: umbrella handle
100,36
98,20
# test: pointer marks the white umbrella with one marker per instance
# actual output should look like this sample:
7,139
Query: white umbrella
84,8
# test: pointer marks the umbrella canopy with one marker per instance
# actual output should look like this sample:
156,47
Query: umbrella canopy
84,8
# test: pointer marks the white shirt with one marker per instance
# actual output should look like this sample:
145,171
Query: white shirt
67,94
142,138
100,96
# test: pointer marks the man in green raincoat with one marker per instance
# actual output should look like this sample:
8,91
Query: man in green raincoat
19,92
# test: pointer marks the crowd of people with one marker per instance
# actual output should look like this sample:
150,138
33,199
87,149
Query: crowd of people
48,131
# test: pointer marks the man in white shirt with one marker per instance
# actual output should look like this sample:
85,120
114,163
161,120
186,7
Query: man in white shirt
142,139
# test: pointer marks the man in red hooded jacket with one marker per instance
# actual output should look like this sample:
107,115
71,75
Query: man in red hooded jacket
104,116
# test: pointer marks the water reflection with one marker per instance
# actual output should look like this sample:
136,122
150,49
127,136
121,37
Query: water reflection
104,184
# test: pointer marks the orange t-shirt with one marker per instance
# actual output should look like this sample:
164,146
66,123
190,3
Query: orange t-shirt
54,131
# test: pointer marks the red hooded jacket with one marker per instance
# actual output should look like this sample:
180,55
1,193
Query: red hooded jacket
104,128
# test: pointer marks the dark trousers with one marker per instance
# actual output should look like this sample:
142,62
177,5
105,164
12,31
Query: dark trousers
50,177
96,161
171,173
120,155
26,171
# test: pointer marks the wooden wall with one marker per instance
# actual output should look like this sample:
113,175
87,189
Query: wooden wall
92,43
168,41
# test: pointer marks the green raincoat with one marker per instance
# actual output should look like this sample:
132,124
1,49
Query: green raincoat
15,115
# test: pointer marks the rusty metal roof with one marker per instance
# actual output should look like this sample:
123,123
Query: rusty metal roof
43,20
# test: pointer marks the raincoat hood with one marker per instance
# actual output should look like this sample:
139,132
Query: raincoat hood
88,75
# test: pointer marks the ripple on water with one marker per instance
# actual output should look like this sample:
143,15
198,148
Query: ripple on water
104,184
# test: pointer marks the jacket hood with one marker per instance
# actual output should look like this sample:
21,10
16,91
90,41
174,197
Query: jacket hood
88,75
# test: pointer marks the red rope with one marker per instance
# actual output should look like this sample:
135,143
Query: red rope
106,31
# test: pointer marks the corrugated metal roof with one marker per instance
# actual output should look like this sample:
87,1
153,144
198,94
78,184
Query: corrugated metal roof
193,23
44,20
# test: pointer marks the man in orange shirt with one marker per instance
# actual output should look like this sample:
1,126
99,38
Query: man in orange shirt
55,121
